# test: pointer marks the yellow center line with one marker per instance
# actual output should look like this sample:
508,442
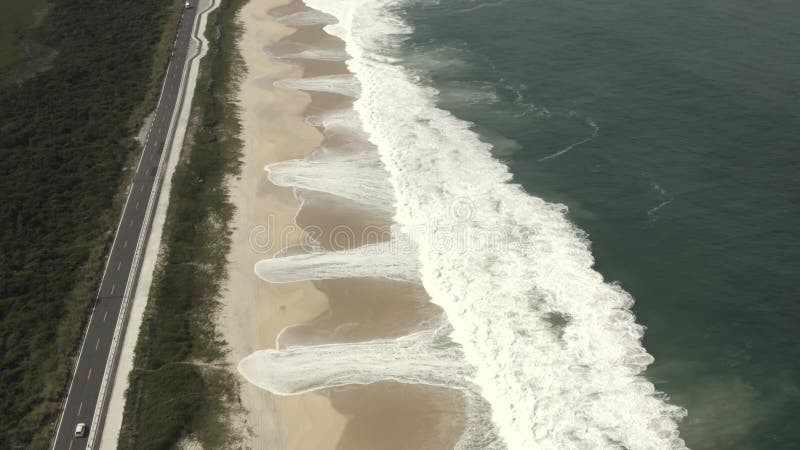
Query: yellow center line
96,346
80,408
89,375
104,316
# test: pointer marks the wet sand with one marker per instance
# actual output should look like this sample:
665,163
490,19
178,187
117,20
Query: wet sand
254,312
269,218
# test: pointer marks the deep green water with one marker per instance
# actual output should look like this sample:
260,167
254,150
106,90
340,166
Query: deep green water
688,191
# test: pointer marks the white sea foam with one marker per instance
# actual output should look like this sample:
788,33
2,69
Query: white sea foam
307,18
421,357
319,54
334,84
394,260
301,51
556,350
340,122
356,176
426,357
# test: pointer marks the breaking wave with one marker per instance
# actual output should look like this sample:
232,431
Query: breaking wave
553,349
557,352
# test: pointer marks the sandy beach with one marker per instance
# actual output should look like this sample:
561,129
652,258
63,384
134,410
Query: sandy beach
269,218
255,312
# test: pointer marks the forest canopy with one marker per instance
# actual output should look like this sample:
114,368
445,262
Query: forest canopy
65,137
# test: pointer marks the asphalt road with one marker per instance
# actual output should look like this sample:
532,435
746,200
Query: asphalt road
95,352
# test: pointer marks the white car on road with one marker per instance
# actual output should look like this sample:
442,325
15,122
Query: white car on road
80,430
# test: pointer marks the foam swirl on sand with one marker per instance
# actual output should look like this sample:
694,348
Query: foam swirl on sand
356,176
393,260
422,357
334,84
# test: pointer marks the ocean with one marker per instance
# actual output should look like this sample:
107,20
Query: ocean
671,131
600,197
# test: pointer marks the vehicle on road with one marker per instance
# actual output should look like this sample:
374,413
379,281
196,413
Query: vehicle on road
80,430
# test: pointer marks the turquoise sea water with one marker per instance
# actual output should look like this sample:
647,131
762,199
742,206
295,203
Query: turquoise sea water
671,129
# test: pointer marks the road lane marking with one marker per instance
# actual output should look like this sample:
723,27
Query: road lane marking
125,245
119,265
113,288
104,316
96,346
89,375
137,205
131,224
80,408
70,444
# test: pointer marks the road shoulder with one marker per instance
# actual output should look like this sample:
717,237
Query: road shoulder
116,406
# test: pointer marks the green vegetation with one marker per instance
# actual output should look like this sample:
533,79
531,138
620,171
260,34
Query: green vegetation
21,50
180,387
65,137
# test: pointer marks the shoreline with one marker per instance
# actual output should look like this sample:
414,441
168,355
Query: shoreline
259,315
254,312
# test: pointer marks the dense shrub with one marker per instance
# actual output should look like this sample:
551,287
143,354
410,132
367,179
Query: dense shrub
65,135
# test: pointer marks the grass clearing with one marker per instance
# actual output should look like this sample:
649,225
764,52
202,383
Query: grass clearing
21,49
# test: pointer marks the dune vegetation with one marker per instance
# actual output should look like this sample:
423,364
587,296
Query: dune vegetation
180,388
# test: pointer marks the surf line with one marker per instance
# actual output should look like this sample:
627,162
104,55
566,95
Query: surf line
570,147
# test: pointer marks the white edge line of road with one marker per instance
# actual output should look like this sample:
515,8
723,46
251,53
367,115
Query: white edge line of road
85,334
176,135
